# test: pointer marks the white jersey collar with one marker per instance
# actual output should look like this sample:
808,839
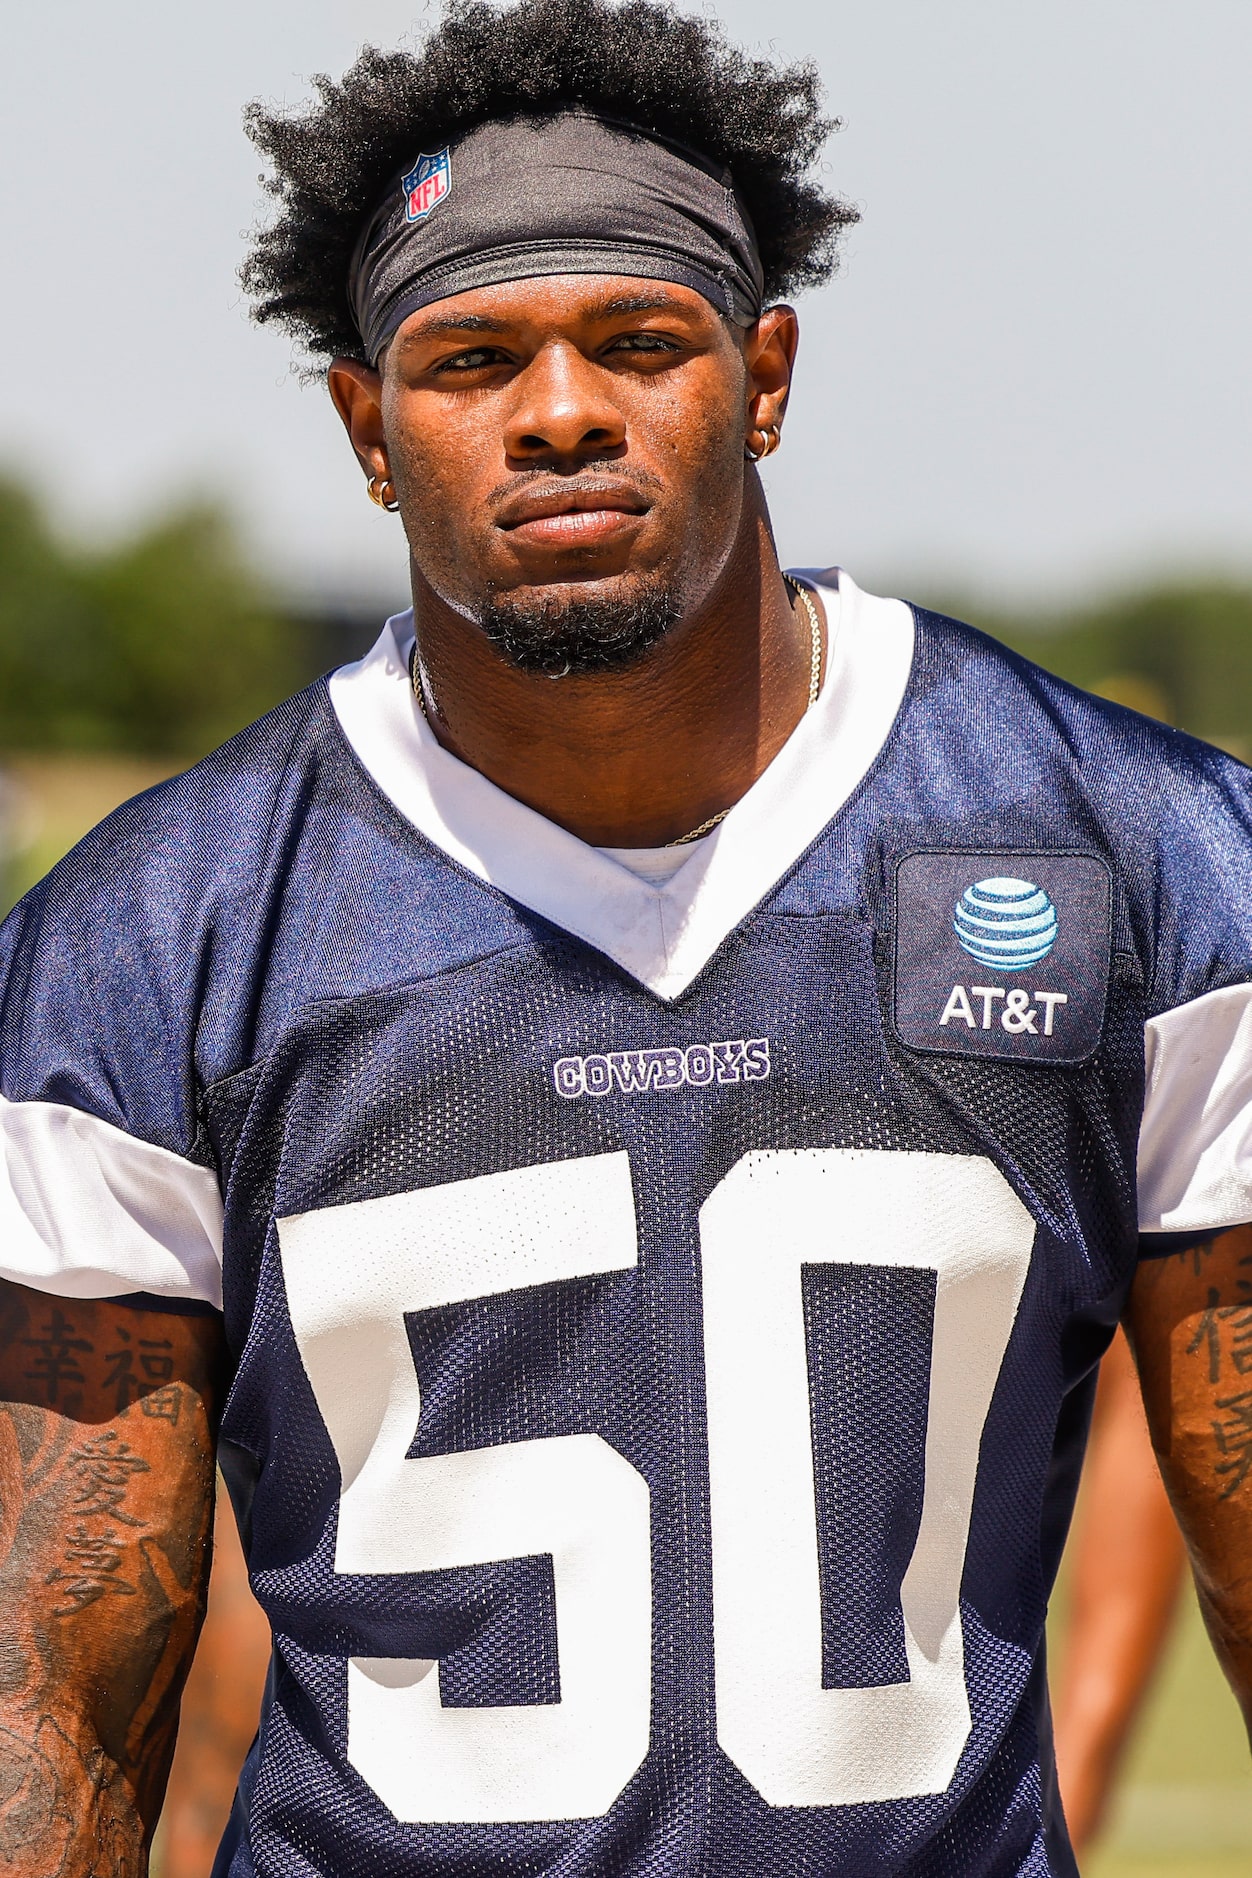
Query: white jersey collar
662,935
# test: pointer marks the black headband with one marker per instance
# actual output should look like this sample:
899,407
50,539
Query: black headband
571,194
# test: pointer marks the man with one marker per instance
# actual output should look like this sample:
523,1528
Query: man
652,1057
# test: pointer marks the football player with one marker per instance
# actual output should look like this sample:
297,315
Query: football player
617,1115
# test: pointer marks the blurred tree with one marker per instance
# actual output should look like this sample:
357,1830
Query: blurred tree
162,645
41,622
189,647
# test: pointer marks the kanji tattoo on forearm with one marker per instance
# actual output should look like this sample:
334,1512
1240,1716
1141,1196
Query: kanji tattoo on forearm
1190,1317
107,1422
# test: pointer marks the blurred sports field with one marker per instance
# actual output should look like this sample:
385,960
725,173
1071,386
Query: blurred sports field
1184,1806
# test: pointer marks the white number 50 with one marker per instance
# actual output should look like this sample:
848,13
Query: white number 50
353,1271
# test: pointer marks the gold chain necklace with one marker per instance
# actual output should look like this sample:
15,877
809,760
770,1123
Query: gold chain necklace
815,685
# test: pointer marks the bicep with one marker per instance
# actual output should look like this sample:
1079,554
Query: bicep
107,1425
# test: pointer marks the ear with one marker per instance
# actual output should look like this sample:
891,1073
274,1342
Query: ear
769,350
357,393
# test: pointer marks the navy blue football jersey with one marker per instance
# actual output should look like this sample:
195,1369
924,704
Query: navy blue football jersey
663,1311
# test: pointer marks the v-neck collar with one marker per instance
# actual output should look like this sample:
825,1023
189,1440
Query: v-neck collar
662,935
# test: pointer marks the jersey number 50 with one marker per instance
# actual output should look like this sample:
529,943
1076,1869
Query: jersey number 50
352,1272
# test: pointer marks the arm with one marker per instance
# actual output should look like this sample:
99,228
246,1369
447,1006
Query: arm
107,1420
1126,1566
1190,1324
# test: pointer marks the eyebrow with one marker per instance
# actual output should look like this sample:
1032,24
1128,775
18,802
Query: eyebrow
622,304
618,307
462,323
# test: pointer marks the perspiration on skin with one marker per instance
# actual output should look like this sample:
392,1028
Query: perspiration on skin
584,436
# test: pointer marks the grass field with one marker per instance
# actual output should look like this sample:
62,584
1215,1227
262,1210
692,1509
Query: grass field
1184,1808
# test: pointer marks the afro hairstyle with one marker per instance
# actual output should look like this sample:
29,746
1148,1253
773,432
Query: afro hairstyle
637,61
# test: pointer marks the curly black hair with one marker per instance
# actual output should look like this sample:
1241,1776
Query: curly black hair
635,60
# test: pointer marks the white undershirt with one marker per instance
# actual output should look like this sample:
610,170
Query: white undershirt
655,864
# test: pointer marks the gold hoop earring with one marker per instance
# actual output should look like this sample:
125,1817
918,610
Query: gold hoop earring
771,440
377,488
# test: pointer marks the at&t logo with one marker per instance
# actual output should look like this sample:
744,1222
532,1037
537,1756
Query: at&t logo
1006,923
1015,1011
1010,925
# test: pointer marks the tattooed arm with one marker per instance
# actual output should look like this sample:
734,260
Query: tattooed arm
107,1422
1190,1323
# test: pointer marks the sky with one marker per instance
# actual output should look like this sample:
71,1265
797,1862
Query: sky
1030,380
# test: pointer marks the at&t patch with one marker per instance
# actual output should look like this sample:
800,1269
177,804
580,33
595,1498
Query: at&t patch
1003,954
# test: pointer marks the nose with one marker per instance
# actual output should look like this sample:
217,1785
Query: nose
564,409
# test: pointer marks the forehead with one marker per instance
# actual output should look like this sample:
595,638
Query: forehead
552,302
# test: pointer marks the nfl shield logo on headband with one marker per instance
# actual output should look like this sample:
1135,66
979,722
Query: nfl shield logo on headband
427,183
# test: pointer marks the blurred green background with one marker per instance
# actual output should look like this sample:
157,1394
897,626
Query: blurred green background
123,662
1183,1804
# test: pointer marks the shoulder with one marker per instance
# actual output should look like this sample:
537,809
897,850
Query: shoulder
162,862
951,652
1171,813
1026,717
103,964
201,826
107,971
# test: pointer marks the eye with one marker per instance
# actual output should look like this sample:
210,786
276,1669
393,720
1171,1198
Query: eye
642,342
473,361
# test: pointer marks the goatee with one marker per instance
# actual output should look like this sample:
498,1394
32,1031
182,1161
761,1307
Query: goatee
573,637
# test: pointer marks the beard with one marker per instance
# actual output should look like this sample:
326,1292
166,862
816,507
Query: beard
570,638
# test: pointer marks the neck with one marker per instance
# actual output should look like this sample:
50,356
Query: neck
637,758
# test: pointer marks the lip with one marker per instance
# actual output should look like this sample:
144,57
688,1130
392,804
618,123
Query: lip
578,517
576,528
